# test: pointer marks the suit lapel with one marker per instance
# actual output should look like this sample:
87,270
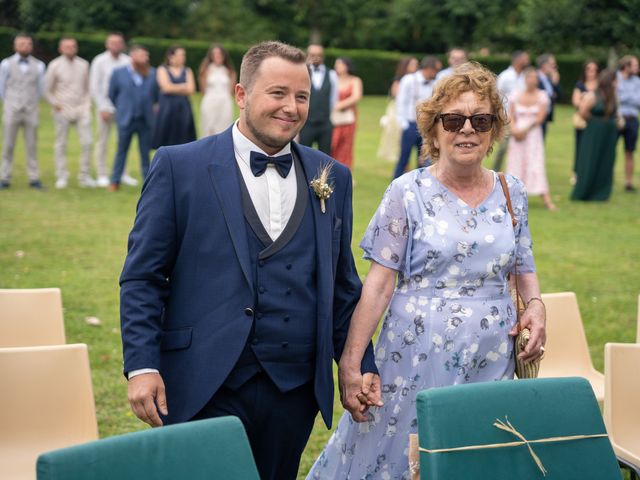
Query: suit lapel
223,172
323,228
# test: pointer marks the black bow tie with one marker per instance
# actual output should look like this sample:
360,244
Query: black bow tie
260,161
23,60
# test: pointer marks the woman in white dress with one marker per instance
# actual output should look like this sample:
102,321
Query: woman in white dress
217,79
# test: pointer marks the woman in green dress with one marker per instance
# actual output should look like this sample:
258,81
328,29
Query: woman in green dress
597,148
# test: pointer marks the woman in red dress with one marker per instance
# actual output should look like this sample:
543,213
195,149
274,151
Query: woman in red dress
344,113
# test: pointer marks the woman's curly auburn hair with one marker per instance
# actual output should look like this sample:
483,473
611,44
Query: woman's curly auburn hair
469,77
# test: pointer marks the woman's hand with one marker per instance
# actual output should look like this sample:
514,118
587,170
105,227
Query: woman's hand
533,318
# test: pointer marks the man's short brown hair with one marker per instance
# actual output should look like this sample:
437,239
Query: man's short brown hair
254,57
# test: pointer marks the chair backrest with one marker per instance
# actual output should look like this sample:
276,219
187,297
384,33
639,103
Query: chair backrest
46,403
216,448
567,350
622,392
539,409
30,317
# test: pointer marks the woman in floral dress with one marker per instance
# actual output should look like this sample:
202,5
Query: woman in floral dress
445,234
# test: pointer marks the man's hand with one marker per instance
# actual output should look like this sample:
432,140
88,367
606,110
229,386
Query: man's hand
147,396
106,116
350,382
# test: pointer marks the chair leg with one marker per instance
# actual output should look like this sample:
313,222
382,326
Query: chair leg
634,471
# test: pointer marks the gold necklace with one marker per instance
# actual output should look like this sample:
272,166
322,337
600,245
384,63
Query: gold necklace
443,193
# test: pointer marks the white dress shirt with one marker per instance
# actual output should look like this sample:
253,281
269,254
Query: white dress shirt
4,73
102,67
413,89
317,77
510,82
273,196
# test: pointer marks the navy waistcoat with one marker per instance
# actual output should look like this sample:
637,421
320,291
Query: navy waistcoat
283,335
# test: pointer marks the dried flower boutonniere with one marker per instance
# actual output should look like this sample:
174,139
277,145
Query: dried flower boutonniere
321,187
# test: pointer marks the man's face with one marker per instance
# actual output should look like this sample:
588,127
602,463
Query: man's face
549,67
457,58
139,57
68,47
115,45
275,107
633,66
315,55
23,46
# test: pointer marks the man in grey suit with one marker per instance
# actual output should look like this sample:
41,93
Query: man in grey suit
21,86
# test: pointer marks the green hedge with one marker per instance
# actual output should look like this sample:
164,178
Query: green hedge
376,68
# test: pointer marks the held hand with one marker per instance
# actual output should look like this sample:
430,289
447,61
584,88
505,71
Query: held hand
106,116
371,390
147,396
533,318
350,382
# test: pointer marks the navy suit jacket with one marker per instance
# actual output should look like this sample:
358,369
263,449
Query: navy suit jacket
554,98
186,286
122,92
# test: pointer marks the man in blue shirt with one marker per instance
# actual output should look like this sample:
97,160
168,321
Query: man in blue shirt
629,98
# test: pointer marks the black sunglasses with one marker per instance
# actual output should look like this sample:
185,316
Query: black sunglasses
453,122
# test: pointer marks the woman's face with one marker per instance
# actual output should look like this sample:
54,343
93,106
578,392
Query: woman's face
591,71
340,67
178,58
412,66
466,147
531,80
217,56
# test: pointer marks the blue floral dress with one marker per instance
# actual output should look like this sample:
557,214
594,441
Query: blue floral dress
448,320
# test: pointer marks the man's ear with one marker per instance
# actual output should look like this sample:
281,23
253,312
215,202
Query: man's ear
241,95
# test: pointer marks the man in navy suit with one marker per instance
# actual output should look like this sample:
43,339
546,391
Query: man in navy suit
134,92
239,284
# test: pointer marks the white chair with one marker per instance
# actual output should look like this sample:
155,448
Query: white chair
46,403
622,396
567,352
30,317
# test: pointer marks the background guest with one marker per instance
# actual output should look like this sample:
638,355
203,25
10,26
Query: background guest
67,90
588,82
134,91
549,81
324,96
174,124
389,148
528,110
21,86
413,89
629,98
217,79
510,81
455,58
344,114
597,148
100,72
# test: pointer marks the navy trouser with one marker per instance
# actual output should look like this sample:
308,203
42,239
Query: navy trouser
125,133
278,424
410,138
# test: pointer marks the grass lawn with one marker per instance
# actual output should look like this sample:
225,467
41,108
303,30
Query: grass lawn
76,239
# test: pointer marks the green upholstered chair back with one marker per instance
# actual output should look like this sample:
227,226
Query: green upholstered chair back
210,449
464,415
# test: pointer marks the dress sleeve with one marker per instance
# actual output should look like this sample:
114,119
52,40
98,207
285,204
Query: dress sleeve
524,245
386,239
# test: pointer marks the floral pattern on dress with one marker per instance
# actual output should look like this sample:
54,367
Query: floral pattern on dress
449,317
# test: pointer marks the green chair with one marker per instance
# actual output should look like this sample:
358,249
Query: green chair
210,449
460,435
